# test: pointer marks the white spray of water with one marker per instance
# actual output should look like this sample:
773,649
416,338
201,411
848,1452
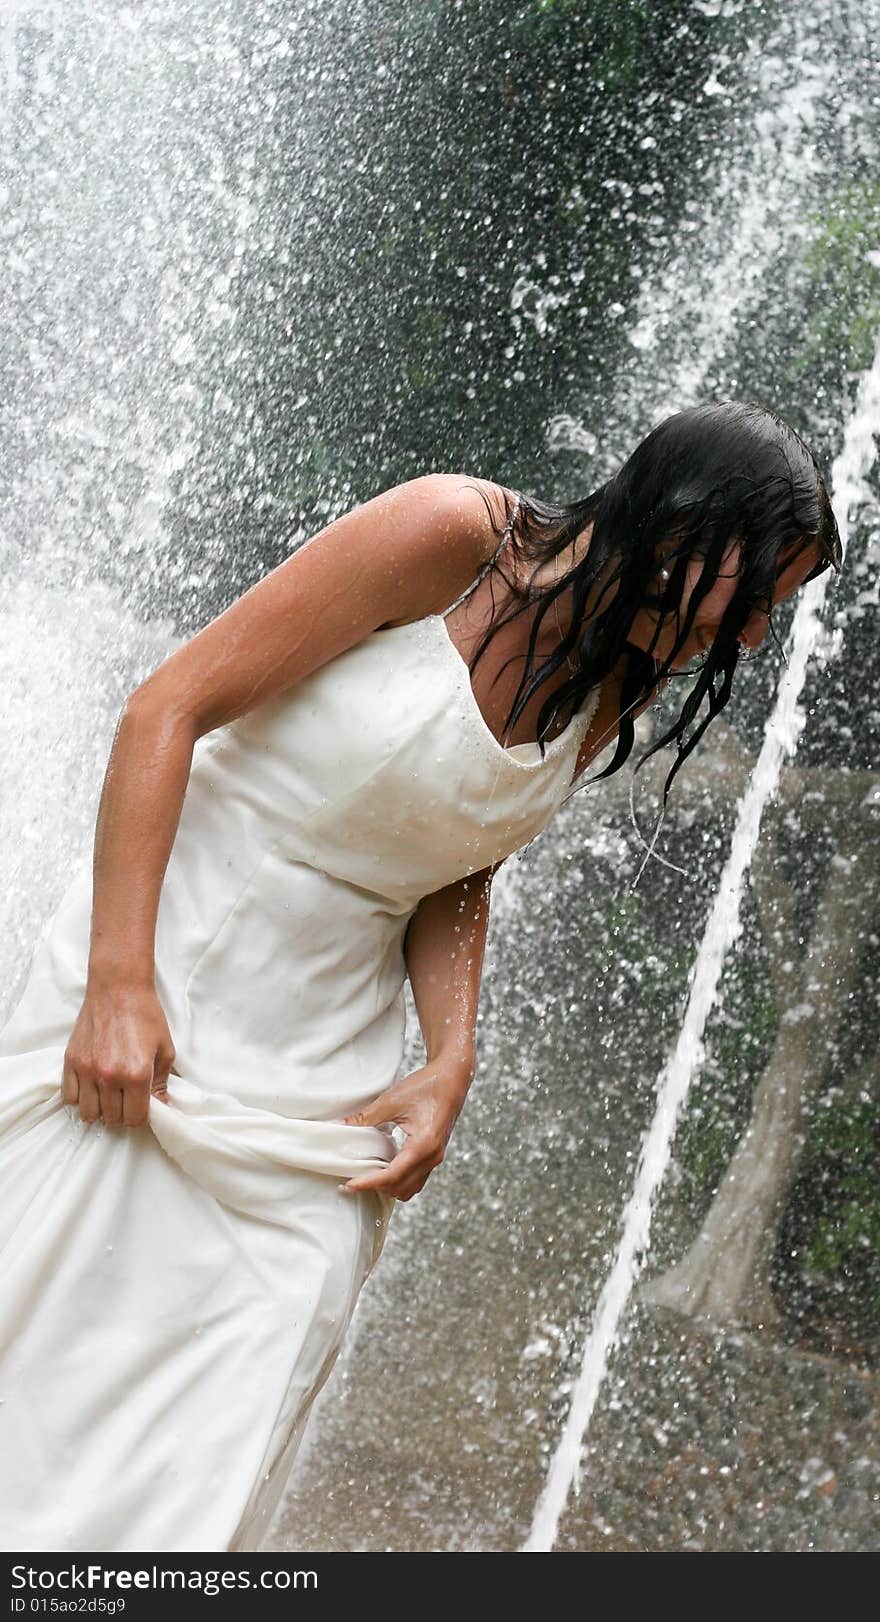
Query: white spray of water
754,202
807,637
745,219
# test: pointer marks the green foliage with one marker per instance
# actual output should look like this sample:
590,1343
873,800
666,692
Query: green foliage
618,33
841,1182
832,1221
842,264
720,1100
318,484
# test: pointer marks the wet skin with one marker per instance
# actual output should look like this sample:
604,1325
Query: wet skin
711,610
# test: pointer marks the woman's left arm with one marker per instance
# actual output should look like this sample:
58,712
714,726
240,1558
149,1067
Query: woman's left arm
444,948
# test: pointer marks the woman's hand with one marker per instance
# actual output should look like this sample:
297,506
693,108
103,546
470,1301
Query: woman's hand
426,1104
119,1052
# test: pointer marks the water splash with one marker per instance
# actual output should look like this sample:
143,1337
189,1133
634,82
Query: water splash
741,227
67,661
808,636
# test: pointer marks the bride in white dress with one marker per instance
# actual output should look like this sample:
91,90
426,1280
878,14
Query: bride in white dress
303,805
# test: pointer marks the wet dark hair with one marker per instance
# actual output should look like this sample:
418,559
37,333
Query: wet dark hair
706,477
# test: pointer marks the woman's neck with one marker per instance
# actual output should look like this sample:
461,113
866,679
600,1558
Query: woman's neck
555,569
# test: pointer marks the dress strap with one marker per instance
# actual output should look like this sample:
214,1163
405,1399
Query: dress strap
505,537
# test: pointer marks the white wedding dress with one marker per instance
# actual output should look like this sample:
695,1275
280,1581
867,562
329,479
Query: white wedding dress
173,1298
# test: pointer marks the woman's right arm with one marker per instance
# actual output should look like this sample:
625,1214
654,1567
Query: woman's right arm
404,554
120,1049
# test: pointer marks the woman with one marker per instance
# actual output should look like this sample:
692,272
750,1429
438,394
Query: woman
304,804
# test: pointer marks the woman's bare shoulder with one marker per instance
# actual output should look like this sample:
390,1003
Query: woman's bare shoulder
403,555
470,496
470,513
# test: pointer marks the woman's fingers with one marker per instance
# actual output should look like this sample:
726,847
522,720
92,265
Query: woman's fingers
118,1101
425,1111
136,1106
89,1099
119,1051
405,1175
69,1084
159,1087
111,1102
373,1114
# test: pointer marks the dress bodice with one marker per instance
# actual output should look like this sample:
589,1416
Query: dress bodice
380,769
